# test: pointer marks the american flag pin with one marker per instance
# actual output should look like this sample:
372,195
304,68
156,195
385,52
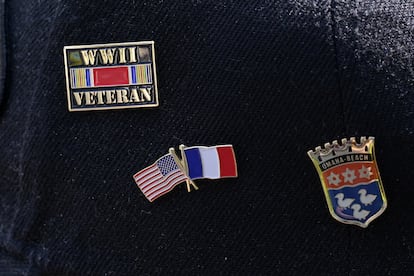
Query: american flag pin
111,76
350,180
197,162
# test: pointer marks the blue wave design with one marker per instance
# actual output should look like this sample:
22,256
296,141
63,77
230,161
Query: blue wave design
352,193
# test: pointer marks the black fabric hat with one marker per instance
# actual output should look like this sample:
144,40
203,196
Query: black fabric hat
272,78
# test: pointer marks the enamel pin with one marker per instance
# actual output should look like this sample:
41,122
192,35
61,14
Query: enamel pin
350,180
111,76
196,163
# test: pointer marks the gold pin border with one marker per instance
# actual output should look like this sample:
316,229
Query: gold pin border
137,43
371,150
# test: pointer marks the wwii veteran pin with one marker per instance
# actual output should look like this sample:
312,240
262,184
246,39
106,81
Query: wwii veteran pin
111,76
350,180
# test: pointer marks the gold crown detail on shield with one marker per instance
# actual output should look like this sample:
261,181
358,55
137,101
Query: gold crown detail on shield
345,146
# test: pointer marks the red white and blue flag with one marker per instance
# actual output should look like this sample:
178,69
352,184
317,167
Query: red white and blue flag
211,162
159,178
197,162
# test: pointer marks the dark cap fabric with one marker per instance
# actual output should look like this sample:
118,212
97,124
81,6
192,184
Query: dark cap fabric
272,78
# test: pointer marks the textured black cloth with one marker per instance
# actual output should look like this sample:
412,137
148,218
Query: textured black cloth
273,78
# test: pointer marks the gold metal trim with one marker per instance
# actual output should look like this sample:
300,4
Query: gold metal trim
154,68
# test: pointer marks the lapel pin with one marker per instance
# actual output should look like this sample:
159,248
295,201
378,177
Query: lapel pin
350,180
198,162
111,76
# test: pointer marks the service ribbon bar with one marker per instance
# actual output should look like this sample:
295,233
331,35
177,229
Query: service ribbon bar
111,76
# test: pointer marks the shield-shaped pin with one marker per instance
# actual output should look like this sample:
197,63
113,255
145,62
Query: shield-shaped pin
350,180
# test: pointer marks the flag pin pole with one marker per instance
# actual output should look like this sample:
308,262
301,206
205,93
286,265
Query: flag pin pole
182,164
